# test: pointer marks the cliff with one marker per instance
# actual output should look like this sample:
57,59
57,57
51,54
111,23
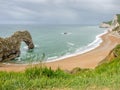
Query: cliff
114,28
115,53
104,25
113,24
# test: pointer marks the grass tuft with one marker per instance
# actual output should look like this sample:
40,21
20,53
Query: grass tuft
42,78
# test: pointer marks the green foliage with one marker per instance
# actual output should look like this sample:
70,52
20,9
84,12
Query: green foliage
78,70
116,51
118,15
106,75
37,72
109,22
39,78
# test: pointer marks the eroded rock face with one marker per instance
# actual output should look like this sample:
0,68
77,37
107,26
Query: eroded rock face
115,53
110,56
104,25
115,26
10,47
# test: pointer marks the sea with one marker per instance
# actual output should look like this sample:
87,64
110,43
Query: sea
54,42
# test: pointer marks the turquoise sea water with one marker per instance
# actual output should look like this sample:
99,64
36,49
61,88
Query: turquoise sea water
51,42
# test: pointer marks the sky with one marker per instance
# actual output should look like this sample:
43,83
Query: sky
57,11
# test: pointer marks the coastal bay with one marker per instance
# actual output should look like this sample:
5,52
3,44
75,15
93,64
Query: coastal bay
89,59
59,45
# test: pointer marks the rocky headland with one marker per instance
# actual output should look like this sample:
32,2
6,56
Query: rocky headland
10,46
104,25
114,27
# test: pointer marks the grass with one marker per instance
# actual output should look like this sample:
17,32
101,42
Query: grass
109,22
116,51
118,15
37,78
105,76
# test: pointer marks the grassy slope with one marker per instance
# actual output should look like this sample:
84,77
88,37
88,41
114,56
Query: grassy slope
109,22
104,76
118,15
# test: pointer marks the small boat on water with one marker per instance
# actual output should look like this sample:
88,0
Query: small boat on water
65,33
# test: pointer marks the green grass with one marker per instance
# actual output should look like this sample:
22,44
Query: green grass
116,51
37,78
109,22
104,76
118,15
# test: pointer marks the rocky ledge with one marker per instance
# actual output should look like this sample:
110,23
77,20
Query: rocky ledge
104,25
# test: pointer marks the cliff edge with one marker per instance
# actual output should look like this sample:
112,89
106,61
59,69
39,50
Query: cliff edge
114,24
115,30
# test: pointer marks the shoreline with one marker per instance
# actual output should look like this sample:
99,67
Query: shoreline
90,46
98,40
89,59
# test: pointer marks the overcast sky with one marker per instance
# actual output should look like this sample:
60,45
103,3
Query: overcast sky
57,11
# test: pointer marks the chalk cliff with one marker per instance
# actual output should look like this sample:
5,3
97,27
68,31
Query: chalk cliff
114,24
115,27
104,25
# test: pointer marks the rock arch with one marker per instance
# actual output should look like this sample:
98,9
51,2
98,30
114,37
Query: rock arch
10,46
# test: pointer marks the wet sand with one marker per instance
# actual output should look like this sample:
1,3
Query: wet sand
90,59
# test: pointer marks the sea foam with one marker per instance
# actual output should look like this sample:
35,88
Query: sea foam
82,50
71,44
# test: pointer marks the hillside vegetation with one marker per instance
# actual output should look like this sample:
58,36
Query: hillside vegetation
104,76
118,15
108,22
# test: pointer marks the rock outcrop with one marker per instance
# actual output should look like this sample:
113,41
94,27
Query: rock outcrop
10,46
104,25
113,24
114,27
115,53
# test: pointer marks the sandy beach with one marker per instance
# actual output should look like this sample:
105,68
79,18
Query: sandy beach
90,59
